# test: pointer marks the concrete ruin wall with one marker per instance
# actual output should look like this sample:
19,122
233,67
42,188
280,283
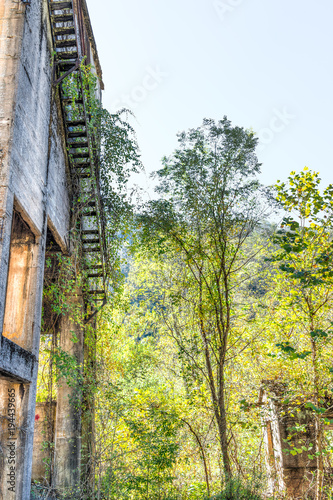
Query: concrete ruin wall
35,198
290,474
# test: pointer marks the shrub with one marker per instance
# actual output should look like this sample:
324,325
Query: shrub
236,489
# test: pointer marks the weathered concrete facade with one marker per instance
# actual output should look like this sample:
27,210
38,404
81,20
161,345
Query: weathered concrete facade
35,203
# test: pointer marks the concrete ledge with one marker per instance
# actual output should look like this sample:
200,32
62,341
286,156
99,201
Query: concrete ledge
15,362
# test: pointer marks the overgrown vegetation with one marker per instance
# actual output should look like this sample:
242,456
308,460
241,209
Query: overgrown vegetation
216,299
237,489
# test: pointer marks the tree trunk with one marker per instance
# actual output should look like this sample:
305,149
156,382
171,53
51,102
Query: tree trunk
320,463
218,401
222,425
318,425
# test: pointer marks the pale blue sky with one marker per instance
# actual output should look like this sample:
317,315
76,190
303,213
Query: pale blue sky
266,64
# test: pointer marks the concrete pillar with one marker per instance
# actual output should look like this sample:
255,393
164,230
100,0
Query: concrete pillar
69,403
18,358
14,399
21,285
88,415
42,461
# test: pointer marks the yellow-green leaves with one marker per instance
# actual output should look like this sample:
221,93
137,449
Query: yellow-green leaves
302,196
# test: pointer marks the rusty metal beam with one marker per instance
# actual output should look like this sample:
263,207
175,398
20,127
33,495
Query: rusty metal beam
74,68
91,316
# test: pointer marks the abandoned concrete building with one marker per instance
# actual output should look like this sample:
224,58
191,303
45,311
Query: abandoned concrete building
289,430
47,161
50,205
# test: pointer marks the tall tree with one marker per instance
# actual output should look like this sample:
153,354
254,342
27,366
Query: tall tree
303,293
210,203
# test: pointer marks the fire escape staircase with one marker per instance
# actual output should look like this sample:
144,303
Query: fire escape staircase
79,141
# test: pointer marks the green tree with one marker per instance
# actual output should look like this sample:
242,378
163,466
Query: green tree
211,203
303,293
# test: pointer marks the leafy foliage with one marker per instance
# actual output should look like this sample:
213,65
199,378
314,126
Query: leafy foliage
211,204
237,489
215,301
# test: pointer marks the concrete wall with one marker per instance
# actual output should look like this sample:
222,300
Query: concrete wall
21,285
34,180
36,190
14,399
33,170
286,427
38,169
42,462
11,32
67,445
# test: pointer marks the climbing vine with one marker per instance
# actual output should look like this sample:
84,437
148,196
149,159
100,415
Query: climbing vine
66,284
116,155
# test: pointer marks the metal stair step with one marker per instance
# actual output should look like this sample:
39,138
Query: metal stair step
81,144
62,18
71,42
65,30
81,165
90,214
90,231
98,292
84,154
95,275
68,54
72,135
92,250
65,65
74,123
61,5
92,240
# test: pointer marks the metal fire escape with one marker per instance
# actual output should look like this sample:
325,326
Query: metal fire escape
82,158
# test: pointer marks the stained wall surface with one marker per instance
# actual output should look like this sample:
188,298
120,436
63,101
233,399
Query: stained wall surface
37,161
13,400
35,186
35,189
21,285
43,438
